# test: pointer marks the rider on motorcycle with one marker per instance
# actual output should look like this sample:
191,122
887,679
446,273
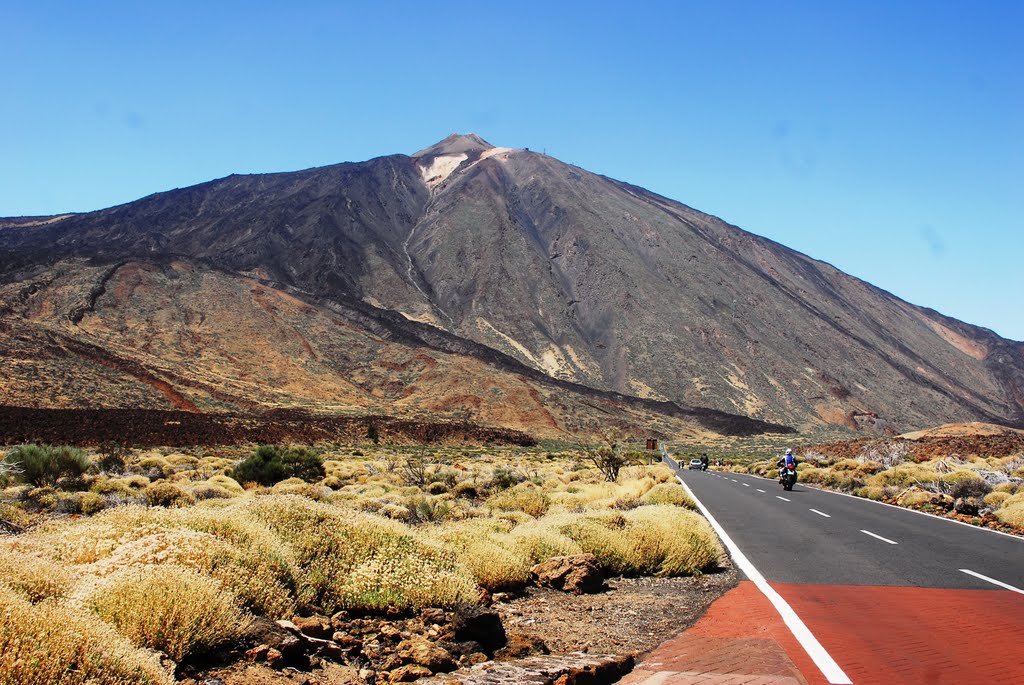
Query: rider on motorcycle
787,461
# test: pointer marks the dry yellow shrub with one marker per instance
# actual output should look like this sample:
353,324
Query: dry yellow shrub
172,609
916,497
669,493
651,540
127,485
228,483
540,540
167,495
878,493
996,499
180,461
47,644
525,497
1014,499
338,551
225,542
1012,514
33,577
158,465
209,464
904,475
483,546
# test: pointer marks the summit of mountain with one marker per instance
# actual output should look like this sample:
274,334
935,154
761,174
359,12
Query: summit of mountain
455,144
497,253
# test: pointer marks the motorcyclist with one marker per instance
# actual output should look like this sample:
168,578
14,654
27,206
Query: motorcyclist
787,461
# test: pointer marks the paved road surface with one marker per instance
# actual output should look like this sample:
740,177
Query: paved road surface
890,595
815,536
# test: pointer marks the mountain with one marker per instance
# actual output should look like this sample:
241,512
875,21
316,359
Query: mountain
494,262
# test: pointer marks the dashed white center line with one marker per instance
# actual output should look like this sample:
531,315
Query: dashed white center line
782,498
746,485
868,532
734,480
992,580
821,513
759,489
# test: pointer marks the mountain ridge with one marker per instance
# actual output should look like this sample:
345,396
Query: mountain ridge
578,276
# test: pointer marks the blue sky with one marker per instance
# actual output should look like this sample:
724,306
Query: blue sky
885,138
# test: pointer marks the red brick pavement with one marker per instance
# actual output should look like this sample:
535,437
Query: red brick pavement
915,635
740,640
883,635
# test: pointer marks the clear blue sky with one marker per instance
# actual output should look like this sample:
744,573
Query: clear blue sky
886,138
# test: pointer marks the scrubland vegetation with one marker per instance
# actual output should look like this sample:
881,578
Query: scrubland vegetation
125,558
986,490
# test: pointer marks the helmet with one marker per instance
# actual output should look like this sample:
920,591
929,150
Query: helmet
789,450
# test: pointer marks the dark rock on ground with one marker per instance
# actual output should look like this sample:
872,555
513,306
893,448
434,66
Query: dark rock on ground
475,624
577,573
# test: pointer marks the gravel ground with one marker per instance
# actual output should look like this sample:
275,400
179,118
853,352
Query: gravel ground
634,615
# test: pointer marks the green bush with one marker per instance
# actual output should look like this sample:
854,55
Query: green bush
43,465
271,464
505,477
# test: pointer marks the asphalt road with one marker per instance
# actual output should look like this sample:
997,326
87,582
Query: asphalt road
873,594
810,536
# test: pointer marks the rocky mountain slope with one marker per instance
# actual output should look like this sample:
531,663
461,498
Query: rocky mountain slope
483,253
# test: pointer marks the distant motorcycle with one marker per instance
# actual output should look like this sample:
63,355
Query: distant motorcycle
787,476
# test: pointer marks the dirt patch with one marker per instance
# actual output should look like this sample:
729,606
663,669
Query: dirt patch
634,616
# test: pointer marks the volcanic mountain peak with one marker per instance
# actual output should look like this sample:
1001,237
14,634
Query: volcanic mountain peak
456,143
574,276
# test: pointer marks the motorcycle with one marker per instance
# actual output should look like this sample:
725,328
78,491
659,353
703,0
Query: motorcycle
787,476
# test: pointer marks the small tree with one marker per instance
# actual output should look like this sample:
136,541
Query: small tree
113,459
414,469
271,464
609,457
372,433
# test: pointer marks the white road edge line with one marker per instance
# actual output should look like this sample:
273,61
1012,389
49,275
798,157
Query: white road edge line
825,663
874,535
782,498
992,580
821,513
